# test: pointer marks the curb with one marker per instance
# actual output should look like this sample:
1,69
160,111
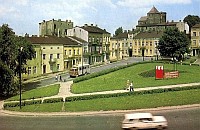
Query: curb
93,113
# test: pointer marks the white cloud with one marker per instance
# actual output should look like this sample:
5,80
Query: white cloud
139,4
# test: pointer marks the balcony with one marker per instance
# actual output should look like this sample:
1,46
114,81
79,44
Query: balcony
52,61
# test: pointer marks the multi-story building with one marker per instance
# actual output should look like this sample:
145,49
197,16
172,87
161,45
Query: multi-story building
55,27
195,40
51,53
98,42
148,41
156,21
74,51
33,68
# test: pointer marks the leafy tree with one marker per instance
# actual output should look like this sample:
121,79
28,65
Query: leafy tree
191,20
118,31
9,57
173,43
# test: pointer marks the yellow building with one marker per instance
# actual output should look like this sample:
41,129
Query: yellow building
147,40
74,52
51,53
195,39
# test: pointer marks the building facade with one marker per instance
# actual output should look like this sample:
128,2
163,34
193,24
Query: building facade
51,53
33,68
55,27
156,21
195,40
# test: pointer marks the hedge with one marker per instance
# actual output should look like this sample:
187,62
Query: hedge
53,100
24,103
89,97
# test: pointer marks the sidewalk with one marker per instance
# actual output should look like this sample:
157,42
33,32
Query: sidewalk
64,92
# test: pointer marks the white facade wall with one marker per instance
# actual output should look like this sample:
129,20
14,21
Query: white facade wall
78,32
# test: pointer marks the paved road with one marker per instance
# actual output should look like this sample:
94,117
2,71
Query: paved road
178,119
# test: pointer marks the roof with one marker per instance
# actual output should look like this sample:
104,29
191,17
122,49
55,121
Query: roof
52,40
148,34
153,10
143,18
138,115
196,26
94,29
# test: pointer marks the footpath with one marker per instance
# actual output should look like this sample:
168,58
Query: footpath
64,92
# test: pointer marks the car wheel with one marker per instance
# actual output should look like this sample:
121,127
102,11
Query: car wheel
160,127
134,128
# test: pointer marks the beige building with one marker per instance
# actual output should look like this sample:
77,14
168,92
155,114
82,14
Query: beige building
55,27
195,40
147,40
121,46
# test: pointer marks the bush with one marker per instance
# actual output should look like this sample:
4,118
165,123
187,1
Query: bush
24,103
53,100
90,97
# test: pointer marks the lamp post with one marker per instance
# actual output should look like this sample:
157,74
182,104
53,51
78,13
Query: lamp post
20,77
82,58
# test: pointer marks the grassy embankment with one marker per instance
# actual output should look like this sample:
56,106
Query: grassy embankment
142,75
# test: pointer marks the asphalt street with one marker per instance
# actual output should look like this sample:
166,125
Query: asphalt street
178,119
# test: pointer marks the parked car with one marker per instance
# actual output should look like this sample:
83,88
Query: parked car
137,121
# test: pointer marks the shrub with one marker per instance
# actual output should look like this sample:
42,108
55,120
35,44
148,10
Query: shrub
31,102
89,97
53,100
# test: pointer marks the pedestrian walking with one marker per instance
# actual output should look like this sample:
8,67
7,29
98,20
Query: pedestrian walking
131,87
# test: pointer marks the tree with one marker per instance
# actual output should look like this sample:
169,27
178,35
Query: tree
173,43
118,31
191,20
9,57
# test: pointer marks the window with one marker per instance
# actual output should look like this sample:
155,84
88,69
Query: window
43,47
57,47
44,56
58,56
51,47
51,56
150,43
194,34
34,70
131,45
58,66
135,43
90,39
70,52
74,52
29,70
35,54
65,52
122,44
126,44
194,42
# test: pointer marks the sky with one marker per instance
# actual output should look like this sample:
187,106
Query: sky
24,16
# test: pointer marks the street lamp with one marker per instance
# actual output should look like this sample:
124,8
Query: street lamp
20,77
82,58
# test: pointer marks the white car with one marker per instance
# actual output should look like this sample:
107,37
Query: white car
137,121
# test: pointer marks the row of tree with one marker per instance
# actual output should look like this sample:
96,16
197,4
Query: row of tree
10,54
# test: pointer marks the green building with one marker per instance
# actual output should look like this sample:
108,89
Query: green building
99,41
34,66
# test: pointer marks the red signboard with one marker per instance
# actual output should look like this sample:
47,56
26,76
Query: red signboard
159,72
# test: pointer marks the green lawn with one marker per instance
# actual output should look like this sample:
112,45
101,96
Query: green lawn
120,103
38,93
117,80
